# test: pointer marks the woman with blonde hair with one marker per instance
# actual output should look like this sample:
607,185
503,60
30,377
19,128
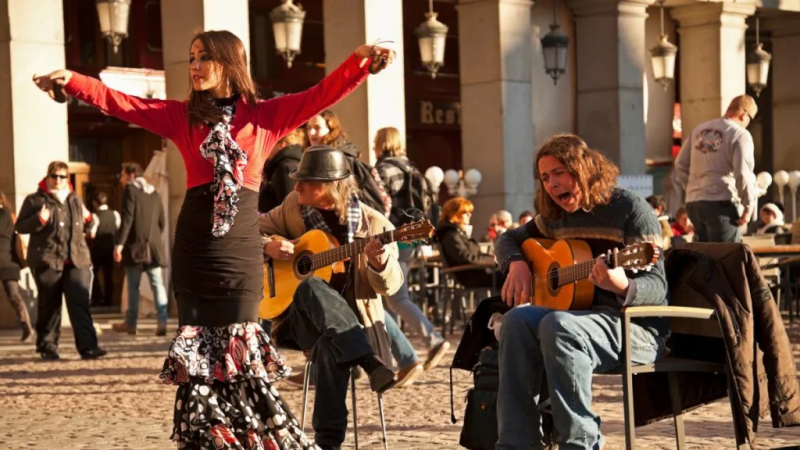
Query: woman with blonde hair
454,234
396,171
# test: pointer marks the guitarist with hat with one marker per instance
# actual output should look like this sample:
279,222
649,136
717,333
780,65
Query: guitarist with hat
327,318
577,197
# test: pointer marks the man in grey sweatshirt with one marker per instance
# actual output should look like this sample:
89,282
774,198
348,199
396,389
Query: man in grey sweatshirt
715,166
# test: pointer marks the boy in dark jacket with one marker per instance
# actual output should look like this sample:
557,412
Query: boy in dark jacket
139,246
59,258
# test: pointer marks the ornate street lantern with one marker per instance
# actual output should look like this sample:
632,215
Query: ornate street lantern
662,56
758,65
287,26
432,36
555,46
113,16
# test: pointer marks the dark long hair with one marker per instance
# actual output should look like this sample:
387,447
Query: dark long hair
336,135
595,174
228,50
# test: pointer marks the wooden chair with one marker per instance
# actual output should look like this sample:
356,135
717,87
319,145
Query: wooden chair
686,320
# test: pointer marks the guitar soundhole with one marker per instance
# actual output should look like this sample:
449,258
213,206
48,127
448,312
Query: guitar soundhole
552,279
304,265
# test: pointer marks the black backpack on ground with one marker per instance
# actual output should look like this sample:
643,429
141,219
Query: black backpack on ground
480,418
415,198
478,353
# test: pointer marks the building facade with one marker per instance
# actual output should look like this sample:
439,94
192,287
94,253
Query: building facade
489,108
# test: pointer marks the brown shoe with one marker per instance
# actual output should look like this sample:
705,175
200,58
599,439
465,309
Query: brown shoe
408,375
123,327
436,354
161,330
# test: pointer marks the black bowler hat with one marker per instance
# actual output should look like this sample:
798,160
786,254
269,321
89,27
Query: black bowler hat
321,163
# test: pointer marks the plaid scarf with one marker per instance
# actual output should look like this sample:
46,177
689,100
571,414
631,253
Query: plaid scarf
313,219
229,161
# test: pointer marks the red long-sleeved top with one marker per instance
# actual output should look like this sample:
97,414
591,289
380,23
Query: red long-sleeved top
256,130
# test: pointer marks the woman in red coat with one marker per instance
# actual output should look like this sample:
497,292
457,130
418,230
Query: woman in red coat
222,361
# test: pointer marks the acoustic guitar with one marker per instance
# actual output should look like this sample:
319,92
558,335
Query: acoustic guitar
560,270
319,254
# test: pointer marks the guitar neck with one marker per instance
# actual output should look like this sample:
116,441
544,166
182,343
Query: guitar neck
576,272
346,251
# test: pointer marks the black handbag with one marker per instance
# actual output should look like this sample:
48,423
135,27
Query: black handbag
140,251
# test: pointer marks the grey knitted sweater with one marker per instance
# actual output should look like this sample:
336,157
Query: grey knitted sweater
625,220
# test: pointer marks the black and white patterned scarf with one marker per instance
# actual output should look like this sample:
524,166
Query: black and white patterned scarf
313,219
229,162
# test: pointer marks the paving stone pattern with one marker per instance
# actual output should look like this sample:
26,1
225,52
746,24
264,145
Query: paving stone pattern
118,403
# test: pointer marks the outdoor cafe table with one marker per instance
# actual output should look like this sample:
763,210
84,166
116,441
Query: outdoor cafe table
783,252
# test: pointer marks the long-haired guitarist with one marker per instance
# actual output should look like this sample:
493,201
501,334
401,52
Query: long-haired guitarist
577,198
324,316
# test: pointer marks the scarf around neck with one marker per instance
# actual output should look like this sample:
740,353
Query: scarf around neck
313,219
229,161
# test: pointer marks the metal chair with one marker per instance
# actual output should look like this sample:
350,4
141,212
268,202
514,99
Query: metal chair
456,294
307,382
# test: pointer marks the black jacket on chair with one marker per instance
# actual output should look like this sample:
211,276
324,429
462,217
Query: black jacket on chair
61,238
143,220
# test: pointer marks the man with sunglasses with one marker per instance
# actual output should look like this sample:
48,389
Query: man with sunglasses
58,256
715,166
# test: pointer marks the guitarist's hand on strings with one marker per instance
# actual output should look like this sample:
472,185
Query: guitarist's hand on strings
517,288
374,250
613,280
280,250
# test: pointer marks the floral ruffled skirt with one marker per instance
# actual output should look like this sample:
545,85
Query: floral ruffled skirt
225,397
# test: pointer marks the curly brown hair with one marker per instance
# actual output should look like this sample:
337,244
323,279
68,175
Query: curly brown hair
595,174
336,136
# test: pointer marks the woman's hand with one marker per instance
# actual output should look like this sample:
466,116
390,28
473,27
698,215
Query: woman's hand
380,57
280,250
517,288
53,83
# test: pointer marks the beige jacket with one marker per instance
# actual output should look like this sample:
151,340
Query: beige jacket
286,221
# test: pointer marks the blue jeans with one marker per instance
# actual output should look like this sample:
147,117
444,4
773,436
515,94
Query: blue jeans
134,274
568,346
402,350
401,304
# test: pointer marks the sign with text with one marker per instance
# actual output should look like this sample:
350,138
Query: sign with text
438,114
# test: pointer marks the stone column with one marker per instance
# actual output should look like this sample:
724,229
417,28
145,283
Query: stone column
497,125
381,101
180,20
30,42
785,99
712,58
611,65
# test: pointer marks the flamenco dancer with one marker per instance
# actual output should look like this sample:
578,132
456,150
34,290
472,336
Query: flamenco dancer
221,359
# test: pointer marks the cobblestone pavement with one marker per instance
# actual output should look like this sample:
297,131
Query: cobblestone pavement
118,403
